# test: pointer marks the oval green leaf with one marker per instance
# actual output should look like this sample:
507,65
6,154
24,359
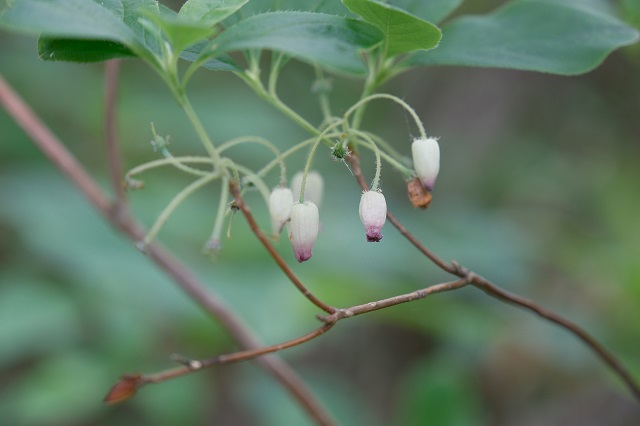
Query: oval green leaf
327,40
432,10
403,31
82,30
209,12
84,19
530,35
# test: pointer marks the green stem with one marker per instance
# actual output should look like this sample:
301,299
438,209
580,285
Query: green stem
165,153
262,141
320,138
214,240
171,161
200,130
386,146
376,178
263,171
325,106
256,181
276,64
256,85
175,202
406,172
405,105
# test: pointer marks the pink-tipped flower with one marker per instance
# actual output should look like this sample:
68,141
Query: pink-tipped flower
303,229
373,214
312,188
426,160
280,203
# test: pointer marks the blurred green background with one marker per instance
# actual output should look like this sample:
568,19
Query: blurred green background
539,191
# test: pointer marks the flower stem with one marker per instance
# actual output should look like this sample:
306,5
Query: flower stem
179,198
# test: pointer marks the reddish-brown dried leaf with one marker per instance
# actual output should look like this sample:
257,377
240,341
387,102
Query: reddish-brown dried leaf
418,194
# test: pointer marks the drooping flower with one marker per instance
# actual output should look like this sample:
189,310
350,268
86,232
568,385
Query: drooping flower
312,188
280,203
303,229
426,160
373,214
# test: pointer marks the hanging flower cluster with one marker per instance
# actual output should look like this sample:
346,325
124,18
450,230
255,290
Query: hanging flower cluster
297,206
302,217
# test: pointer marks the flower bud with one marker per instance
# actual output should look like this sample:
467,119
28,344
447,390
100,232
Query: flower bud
125,389
426,160
312,189
373,214
303,229
280,203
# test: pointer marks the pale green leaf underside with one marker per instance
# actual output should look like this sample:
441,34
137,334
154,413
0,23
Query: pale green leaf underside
68,19
209,12
530,35
328,40
429,10
403,32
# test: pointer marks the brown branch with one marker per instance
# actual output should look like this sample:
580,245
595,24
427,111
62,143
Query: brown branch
62,158
195,365
132,382
496,292
50,146
606,356
392,301
233,187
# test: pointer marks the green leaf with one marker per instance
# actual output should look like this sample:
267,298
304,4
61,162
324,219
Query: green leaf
180,31
432,10
531,35
77,50
327,40
255,7
67,19
403,32
221,63
210,12
82,30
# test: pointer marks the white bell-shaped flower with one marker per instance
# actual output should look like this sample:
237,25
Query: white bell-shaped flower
280,203
312,189
303,229
373,214
426,160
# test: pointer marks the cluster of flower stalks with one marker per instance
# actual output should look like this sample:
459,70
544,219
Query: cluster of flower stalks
303,220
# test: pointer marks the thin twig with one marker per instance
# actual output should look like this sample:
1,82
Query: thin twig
395,300
62,158
195,365
274,253
496,292
51,147
189,366
606,356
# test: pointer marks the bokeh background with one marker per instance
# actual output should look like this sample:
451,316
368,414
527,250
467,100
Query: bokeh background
539,191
